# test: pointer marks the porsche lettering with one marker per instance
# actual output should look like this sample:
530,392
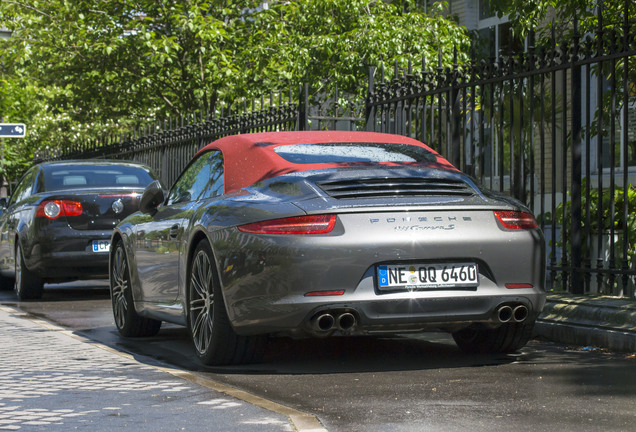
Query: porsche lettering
392,220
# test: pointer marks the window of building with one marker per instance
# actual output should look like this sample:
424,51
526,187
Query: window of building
485,11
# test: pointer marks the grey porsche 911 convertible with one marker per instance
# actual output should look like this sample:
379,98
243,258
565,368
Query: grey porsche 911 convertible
316,234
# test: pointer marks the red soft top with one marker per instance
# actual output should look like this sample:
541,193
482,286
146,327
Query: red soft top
250,158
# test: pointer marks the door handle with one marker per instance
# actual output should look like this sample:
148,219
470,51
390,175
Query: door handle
174,231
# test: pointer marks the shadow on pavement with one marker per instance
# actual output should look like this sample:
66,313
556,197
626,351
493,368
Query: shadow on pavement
312,356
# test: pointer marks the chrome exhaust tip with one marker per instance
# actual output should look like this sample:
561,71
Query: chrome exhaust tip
520,313
346,321
504,314
324,322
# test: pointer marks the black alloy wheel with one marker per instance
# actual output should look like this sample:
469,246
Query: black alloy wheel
128,322
6,283
28,285
215,341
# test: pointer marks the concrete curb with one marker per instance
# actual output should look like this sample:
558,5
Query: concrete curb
604,322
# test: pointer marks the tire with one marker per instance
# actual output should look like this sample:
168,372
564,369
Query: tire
6,283
507,338
28,285
128,322
214,339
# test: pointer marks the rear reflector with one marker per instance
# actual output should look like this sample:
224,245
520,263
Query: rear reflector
324,293
518,285
515,220
313,224
56,208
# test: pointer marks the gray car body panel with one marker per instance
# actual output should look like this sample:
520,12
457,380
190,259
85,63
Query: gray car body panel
265,278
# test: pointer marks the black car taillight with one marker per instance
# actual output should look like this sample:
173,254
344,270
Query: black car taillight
313,224
55,208
515,220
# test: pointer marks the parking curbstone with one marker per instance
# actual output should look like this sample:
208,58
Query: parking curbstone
603,322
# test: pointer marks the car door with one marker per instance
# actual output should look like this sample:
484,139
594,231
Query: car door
15,218
160,240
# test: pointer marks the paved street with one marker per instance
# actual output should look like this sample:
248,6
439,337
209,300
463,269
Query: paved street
53,381
89,377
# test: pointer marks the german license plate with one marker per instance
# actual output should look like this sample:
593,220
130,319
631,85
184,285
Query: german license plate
101,245
422,276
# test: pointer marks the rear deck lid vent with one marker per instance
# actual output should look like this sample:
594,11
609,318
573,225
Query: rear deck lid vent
396,187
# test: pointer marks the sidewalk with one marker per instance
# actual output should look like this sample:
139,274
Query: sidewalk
51,380
603,322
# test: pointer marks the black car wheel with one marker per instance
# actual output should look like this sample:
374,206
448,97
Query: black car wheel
507,338
6,283
28,285
129,323
214,339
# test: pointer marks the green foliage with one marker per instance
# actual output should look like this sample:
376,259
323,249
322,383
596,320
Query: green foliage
77,70
612,216
338,41
542,15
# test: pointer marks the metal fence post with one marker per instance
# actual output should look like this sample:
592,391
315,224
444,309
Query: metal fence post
370,108
303,108
577,286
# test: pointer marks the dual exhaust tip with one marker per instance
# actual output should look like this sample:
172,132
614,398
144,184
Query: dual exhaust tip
346,321
325,322
514,313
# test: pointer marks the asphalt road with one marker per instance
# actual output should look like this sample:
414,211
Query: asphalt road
402,383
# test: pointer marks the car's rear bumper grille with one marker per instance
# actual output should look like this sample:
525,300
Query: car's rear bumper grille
395,187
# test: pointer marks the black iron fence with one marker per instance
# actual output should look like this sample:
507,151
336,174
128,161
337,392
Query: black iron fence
168,146
554,126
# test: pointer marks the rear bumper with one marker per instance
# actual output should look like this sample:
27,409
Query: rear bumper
449,314
373,313
266,278
68,255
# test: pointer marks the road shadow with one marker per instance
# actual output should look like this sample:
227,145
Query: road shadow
373,354
334,355
63,292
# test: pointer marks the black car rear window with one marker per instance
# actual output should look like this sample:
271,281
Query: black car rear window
354,153
94,176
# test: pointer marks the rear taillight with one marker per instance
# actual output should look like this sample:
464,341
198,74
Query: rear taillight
514,220
313,224
56,208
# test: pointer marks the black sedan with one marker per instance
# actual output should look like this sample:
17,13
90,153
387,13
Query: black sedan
57,224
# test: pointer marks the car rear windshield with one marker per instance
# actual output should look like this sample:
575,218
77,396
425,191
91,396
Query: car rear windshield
95,176
354,153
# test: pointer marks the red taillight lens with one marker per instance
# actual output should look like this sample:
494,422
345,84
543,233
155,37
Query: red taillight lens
56,208
314,224
515,220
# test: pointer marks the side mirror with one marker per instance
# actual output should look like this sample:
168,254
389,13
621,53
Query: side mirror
153,196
